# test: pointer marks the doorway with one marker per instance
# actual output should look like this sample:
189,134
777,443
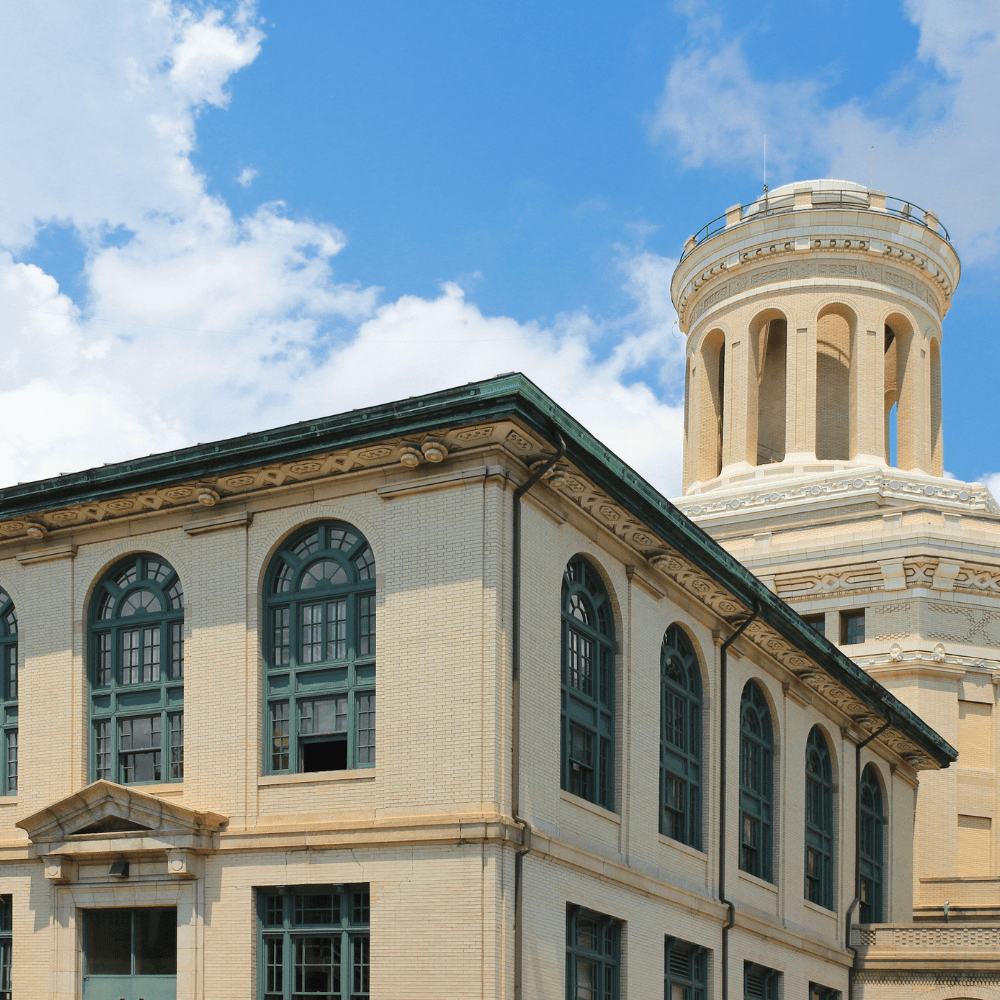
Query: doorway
130,954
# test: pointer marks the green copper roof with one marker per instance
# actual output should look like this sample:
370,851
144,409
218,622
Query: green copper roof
508,396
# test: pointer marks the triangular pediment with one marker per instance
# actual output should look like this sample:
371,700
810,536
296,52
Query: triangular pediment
106,809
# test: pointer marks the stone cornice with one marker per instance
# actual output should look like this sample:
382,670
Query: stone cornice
209,491
883,484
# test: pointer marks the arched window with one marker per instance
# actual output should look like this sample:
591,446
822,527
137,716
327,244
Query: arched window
680,739
588,686
8,693
136,673
871,819
819,821
319,606
756,782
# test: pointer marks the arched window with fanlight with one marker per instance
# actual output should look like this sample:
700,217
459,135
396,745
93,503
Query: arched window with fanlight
819,821
320,651
680,739
588,686
756,783
136,673
8,694
871,820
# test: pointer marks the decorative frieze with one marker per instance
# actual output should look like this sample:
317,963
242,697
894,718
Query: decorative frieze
761,496
915,285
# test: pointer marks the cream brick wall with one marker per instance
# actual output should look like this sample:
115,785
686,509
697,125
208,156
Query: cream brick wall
429,827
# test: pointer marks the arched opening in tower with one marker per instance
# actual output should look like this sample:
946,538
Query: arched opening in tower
834,336
937,431
891,393
708,402
771,353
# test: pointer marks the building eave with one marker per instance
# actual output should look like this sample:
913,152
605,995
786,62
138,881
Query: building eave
514,398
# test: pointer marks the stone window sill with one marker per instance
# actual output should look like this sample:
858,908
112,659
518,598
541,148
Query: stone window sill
682,847
753,880
575,800
810,905
317,777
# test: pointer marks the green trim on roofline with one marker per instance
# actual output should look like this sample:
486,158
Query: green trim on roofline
505,396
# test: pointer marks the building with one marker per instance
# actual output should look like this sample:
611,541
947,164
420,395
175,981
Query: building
606,761
814,455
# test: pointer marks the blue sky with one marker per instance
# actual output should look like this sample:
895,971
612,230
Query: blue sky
232,216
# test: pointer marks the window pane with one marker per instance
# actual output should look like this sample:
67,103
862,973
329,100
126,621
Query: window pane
366,729
12,673
130,657
317,965
323,715
579,662
151,654
280,636
140,749
108,942
360,968
274,963
176,651
336,630
102,748
279,736
312,633
274,913
156,941
11,774
317,908
103,672
366,626
176,746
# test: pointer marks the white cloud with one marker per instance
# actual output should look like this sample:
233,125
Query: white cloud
246,177
203,325
992,482
941,150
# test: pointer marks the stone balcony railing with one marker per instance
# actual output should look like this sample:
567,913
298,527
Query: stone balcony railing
806,198
916,947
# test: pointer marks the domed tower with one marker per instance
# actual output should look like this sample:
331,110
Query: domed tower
813,452
813,319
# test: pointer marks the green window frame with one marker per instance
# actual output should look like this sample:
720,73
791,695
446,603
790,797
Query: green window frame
6,945
593,955
135,676
9,681
314,941
319,645
680,739
685,970
760,982
871,821
852,627
819,821
588,686
817,992
756,783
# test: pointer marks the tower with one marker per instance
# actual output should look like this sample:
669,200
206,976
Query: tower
813,452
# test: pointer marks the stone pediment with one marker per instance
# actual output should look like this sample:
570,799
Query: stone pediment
105,817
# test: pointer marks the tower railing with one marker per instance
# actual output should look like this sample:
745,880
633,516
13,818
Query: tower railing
844,199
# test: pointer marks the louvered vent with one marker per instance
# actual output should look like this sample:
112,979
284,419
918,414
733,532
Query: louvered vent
680,964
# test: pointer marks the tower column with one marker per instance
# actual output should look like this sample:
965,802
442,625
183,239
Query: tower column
913,420
800,392
739,434
867,393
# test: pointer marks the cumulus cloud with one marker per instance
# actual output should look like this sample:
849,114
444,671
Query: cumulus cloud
201,324
246,177
941,151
